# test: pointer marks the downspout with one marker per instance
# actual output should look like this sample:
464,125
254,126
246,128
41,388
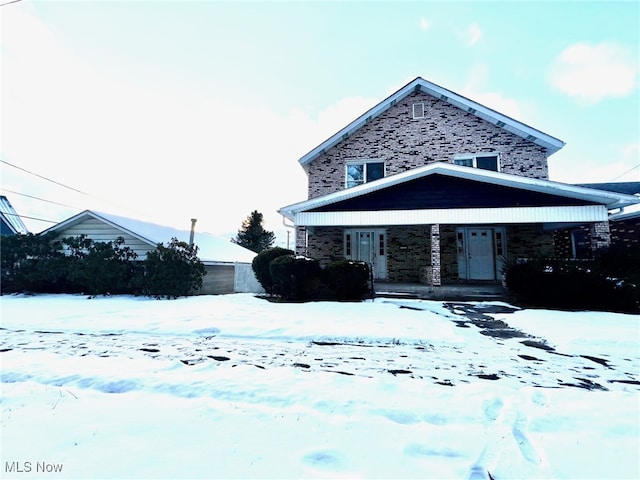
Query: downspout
193,230
284,222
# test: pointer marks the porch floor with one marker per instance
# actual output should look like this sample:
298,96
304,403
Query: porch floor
452,292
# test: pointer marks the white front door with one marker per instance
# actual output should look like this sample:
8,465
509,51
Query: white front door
480,254
367,246
364,247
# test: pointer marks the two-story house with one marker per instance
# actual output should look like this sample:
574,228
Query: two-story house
431,186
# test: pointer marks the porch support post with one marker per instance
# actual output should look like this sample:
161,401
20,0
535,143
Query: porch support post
436,279
301,241
600,236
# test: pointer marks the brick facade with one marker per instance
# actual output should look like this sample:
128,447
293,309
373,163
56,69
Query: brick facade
405,143
326,244
625,232
429,253
408,251
597,236
529,241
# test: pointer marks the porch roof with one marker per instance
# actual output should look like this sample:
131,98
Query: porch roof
570,202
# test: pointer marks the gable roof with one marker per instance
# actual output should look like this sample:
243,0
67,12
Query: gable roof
11,223
211,248
630,188
419,84
601,197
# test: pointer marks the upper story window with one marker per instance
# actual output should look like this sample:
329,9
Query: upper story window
361,172
483,161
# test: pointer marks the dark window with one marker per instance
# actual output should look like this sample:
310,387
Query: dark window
359,173
488,163
375,171
484,162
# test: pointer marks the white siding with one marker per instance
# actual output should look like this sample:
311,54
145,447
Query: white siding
458,216
245,279
99,231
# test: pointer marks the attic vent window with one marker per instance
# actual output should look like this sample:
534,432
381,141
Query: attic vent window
444,97
531,138
501,124
471,110
418,110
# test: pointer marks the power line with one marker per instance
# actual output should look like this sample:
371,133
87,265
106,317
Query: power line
44,178
38,198
624,173
65,186
30,218
9,3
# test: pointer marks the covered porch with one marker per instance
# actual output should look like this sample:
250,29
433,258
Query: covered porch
445,224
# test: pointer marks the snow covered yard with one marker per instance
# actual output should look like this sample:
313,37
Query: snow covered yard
236,387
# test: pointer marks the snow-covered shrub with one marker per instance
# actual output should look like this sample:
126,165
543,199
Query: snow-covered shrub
45,264
35,264
571,284
348,279
261,263
295,278
172,271
105,268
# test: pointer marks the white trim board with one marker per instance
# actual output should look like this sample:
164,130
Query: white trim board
455,216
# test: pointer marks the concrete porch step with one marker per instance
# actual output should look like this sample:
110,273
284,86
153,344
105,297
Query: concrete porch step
443,292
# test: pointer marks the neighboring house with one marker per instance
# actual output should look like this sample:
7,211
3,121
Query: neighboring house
624,225
228,265
431,186
10,221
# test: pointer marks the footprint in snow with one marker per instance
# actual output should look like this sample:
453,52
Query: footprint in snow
519,432
325,459
418,450
492,409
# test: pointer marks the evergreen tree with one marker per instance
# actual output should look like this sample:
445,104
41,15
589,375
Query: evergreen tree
252,235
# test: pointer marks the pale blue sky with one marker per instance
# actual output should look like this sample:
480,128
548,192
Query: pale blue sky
173,110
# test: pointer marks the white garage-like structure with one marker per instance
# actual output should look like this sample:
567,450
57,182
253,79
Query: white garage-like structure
227,264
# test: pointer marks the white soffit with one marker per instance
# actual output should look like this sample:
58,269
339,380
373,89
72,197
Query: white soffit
459,216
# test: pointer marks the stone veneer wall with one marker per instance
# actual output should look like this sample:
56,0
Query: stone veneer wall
600,236
301,241
405,143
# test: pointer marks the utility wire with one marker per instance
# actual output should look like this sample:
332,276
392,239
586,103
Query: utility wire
9,3
624,173
38,198
44,178
65,186
30,218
